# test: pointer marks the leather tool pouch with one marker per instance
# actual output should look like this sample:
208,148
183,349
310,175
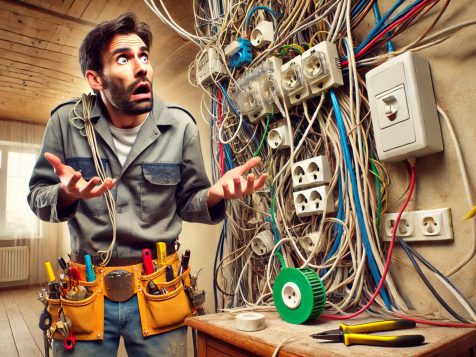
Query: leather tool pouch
87,315
119,285
165,312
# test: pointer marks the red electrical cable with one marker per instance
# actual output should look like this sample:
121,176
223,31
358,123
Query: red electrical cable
389,28
221,154
387,263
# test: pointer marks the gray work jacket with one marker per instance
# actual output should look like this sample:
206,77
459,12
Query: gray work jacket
162,181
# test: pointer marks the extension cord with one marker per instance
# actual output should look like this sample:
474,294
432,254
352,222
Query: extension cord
250,321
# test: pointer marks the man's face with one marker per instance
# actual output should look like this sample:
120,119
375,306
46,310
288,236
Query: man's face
127,75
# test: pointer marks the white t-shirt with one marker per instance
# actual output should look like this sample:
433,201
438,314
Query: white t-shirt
123,140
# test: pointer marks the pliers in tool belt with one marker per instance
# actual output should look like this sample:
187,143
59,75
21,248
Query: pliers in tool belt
358,334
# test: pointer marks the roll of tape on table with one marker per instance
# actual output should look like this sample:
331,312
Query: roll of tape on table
250,321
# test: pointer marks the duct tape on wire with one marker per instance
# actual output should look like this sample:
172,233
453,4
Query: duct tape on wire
299,295
250,321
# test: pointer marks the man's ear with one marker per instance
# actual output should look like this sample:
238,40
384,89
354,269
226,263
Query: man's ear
94,80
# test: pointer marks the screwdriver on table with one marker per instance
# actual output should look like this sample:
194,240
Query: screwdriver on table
357,334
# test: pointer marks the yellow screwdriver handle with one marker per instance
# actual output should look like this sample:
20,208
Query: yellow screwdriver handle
49,272
385,325
384,341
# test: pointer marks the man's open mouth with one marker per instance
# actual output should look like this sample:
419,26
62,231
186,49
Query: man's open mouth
142,91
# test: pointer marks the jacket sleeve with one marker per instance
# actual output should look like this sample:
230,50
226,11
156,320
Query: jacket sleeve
194,184
44,183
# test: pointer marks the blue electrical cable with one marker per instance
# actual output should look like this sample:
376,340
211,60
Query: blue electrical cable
358,8
248,17
360,218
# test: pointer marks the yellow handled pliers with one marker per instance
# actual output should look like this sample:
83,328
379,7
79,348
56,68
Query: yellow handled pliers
358,334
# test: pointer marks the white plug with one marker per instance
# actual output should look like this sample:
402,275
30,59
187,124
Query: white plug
263,34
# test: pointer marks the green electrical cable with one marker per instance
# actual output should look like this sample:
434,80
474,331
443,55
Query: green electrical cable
269,117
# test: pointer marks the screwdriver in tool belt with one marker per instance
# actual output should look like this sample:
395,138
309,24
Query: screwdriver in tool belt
358,334
184,262
147,259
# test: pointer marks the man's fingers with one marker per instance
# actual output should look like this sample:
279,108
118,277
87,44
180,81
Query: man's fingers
260,182
54,161
237,187
226,190
250,181
86,190
73,182
248,165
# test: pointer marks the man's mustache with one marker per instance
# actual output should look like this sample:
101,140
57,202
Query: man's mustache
131,87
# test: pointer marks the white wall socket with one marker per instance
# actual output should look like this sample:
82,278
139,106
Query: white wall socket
403,109
262,35
321,67
313,201
427,225
310,241
311,172
263,243
278,138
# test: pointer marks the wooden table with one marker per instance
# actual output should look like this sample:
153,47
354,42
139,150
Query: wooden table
217,337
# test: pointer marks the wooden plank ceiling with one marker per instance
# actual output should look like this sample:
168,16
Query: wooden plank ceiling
39,43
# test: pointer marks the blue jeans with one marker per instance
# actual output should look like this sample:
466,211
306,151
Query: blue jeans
122,319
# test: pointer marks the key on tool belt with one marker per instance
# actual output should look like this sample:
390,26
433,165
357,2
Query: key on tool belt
357,334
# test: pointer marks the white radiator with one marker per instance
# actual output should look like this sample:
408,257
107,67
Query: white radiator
14,263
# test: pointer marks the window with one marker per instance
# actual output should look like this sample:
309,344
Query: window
16,164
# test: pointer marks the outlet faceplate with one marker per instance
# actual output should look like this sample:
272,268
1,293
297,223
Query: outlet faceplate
428,225
313,201
278,138
311,172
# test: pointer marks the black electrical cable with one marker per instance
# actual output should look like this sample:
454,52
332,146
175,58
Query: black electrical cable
428,284
437,272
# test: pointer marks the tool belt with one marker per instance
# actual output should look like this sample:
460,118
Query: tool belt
158,313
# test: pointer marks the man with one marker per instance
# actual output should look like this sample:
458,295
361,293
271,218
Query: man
151,168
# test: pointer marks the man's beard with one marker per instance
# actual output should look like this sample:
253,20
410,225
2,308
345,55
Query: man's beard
120,97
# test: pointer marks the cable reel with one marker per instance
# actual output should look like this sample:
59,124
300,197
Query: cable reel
299,295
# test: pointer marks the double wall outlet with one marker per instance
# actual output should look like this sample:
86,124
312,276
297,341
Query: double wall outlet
311,172
263,243
321,67
313,201
428,225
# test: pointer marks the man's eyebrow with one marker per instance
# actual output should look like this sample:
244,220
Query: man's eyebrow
126,49
120,50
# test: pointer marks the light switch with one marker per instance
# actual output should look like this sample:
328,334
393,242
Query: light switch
392,107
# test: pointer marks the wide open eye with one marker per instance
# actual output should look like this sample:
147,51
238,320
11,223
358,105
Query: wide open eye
121,60
144,58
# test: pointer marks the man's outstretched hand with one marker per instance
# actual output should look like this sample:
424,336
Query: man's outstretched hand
73,185
233,185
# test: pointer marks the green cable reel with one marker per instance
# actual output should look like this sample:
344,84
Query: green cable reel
299,295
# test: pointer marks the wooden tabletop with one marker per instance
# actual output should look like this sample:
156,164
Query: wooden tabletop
439,341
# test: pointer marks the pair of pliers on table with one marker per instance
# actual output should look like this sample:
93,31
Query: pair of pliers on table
358,334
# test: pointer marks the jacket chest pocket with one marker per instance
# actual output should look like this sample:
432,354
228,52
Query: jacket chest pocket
85,165
157,198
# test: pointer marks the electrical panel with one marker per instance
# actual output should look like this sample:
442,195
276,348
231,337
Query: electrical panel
209,66
403,109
